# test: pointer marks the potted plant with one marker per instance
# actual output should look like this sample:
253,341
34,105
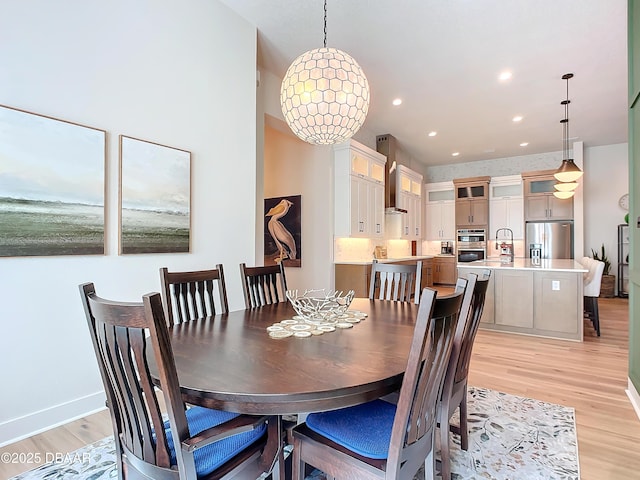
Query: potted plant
607,286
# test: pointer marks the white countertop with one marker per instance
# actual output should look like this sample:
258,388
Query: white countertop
554,264
390,260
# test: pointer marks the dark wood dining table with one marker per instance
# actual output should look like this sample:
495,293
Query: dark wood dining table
230,362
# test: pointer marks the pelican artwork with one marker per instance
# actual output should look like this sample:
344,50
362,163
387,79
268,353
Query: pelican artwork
283,238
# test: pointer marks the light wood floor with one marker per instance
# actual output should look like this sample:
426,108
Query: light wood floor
589,376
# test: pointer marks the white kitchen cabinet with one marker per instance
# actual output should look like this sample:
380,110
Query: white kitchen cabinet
440,209
506,205
409,197
358,191
441,223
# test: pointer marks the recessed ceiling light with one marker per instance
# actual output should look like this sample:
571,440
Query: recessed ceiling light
517,118
397,101
455,154
433,134
506,75
524,144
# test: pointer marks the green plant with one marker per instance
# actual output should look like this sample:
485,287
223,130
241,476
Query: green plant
602,256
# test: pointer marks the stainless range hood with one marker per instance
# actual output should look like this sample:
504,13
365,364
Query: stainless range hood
386,145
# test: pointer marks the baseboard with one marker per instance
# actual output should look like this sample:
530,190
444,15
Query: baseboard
634,396
37,422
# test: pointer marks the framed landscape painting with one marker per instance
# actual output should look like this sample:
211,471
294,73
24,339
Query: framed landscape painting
155,197
52,186
282,231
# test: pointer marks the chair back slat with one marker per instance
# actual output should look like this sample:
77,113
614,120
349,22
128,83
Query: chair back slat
191,295
395,282
431,346
119,334
263,285
471,328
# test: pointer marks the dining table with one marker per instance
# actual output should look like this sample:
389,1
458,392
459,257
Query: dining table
230,362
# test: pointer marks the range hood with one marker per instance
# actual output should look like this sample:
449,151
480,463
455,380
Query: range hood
386,145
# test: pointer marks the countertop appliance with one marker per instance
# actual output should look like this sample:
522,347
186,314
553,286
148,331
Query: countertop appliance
446,248
471,244
549,239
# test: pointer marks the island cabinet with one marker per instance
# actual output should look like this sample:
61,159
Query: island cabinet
472,201
555,307
357,276
358,191
543,300
440,208
513,298
540,203
444,270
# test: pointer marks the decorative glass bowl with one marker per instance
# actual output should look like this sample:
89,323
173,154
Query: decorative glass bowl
320,306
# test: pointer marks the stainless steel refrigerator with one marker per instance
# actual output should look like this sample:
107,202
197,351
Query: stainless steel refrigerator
555,239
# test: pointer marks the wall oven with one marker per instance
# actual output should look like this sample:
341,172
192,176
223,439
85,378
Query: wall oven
471,244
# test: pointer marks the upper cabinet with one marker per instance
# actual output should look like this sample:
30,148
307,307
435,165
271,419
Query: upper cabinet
472,201
359,191
539,201
440,211
409,197
506,205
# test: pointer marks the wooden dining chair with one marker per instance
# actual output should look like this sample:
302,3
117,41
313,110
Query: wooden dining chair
193,443
454,389
395,282
379,439
190,295
263,285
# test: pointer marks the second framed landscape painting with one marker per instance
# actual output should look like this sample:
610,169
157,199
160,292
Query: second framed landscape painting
155,197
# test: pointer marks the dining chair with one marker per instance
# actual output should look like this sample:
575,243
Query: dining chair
190,295
454,389
395,282
379,439
591,292
263,285
193,443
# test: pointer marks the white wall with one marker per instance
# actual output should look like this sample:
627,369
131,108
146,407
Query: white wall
177,73
294,167
606,179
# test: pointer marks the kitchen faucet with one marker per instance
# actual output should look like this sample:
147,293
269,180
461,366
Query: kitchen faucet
506,249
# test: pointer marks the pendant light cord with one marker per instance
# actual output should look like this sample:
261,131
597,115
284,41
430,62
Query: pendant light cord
325,25
566,125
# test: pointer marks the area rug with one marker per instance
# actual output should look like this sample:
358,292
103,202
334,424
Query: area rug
510,438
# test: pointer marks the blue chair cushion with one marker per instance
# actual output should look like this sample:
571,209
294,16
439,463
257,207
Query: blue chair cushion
364,429
211,457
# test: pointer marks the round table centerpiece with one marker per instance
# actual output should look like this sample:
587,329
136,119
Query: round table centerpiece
320,306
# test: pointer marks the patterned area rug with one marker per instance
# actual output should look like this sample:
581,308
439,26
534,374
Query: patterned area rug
510,438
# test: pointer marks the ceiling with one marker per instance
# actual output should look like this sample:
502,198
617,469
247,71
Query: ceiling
443,58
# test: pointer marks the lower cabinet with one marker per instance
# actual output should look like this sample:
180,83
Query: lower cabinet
356,277
353,277
444,270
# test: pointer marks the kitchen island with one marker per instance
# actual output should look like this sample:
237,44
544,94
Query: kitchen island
544,299
356,275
